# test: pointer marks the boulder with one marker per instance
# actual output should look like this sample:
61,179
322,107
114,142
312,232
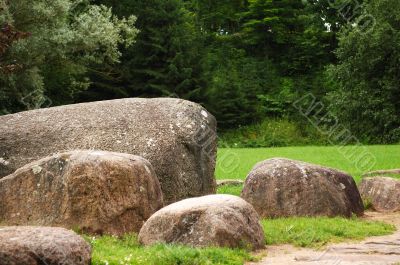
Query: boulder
42,246
178,137
92,191
281,187
213,220
382,192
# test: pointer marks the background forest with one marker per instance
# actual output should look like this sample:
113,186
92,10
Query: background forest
248,62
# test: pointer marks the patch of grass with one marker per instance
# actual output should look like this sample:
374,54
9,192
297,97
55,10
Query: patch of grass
367,204
236,163
126,250
230,189
299,231
306,232
317,232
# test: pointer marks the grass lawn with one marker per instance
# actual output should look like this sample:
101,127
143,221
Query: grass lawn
229,189
304,232
236,163
109,250
317,232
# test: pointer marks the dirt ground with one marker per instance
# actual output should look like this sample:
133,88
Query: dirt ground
382,250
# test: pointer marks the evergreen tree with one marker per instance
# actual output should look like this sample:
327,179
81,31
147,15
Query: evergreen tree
217,17
164,59
288,33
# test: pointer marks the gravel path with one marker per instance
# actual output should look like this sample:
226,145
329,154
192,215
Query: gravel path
383,250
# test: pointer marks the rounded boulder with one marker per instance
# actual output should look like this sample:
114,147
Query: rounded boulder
282,188
213,220
383,193
92,191
42,245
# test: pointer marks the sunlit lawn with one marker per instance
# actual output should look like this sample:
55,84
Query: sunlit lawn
304,232
235,163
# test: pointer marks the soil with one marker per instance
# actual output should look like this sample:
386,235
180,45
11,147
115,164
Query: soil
381,250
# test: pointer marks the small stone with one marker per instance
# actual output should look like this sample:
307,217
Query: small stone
36,169
229,182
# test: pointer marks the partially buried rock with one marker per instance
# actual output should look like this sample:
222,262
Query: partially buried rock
282,188
229,182
214,220
382,193
93,191
42,246
178,137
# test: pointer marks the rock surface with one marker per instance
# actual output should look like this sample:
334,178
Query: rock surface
178,137
42,246
93,191
383,173
229,182
282,187
382,192
214,220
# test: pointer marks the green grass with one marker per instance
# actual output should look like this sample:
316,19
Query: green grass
299,231
230,189
236,163
113,251
316,232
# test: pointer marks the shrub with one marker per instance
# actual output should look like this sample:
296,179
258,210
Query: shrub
273,133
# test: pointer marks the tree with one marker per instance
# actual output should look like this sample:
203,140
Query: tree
164,59
365,83
217,17
234,83
336,14
8,35
65,38
287,32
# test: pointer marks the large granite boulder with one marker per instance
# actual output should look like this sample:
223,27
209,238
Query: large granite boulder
281,187
178,137
213,220
42,246
93,191
382,192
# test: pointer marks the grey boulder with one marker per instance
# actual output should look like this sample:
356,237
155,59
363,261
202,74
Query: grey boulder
213,220
178,137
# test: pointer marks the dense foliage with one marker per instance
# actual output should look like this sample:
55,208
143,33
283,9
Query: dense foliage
365,82
247,61
65,38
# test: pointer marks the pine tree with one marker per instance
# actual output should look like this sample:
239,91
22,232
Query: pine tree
164,59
